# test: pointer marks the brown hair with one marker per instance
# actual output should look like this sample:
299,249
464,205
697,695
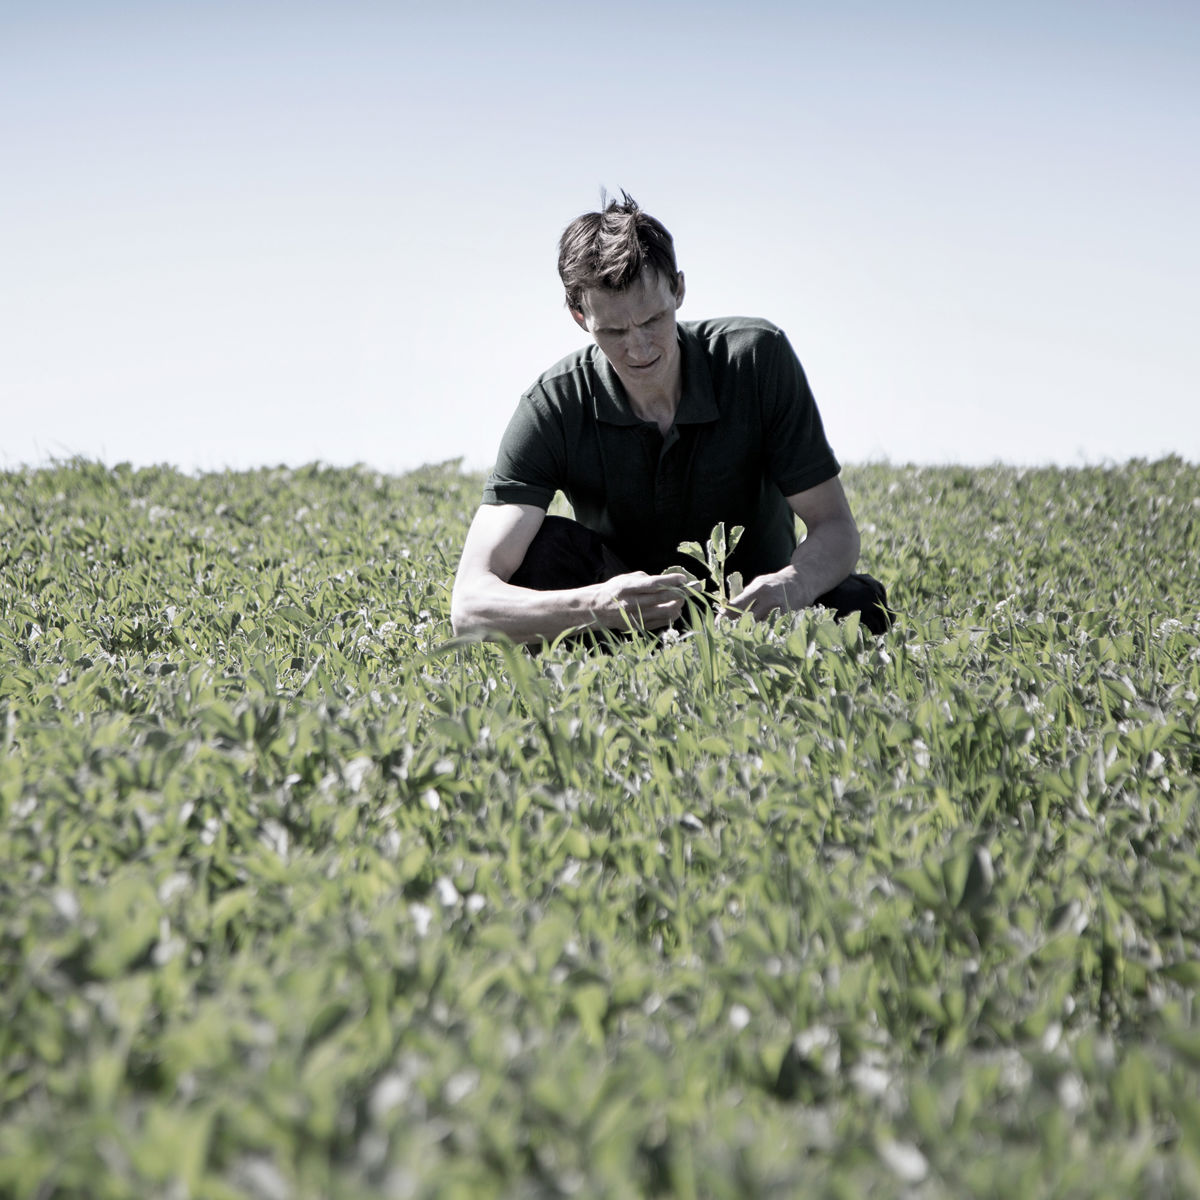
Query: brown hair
611,249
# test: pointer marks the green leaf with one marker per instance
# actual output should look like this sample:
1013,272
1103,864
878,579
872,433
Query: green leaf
590,1003
917,881
1187,972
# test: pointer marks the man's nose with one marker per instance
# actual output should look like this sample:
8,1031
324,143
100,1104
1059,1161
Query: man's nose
640,345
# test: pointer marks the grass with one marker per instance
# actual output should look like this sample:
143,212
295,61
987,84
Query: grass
301,898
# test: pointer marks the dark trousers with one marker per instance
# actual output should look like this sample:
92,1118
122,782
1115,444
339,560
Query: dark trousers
565,554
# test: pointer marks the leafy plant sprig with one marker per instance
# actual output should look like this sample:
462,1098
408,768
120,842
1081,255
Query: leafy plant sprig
715,554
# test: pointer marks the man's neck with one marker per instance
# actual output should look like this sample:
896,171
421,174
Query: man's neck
659,406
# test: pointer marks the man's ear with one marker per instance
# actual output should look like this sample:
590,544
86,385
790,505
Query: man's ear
579,319
679,289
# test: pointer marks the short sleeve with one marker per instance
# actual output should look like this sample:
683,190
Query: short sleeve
798,455
530,463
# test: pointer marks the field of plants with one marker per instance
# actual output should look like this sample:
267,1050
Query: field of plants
299,898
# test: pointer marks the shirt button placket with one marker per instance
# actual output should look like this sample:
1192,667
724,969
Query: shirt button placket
668,486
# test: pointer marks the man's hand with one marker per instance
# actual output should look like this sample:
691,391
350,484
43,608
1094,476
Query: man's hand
765,593
639,600
825,557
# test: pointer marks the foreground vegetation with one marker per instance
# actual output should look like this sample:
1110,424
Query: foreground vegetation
301,899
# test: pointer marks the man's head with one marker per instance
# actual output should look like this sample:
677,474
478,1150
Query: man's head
612,249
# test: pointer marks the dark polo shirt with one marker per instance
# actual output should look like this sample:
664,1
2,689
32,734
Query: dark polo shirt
747,434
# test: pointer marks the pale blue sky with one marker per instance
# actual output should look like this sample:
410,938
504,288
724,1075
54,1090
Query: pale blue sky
257,233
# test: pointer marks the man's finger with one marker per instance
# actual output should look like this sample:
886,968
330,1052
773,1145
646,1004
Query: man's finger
660,583
654,585
657,617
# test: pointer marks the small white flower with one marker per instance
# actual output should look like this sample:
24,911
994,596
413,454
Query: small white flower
262,1179
355,771
905,1160
275,836
871,1081
1070,1092
172,887
389,1093
460,1085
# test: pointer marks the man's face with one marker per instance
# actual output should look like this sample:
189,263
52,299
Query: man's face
635,329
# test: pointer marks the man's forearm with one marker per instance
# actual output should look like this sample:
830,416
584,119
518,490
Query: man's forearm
522,614
486,604
820,562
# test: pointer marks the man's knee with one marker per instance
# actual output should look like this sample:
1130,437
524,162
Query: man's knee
565,554
861,594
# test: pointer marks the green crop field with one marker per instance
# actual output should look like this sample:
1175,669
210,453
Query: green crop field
300,898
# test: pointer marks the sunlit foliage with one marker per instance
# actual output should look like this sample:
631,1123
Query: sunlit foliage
300,898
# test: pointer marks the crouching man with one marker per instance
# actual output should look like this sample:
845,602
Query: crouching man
655,432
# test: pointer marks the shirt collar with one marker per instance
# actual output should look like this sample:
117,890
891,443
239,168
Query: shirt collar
697,405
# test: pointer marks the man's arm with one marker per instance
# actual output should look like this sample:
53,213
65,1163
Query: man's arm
825,557
485,602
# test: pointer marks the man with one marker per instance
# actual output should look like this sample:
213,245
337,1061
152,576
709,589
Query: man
655,433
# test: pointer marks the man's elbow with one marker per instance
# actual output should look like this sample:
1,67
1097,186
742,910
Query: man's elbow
473,608
853,545
464,616
465,622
